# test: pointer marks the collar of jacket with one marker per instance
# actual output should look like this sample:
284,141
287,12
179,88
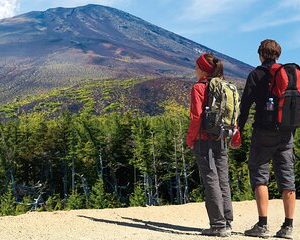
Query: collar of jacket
203,80
268,63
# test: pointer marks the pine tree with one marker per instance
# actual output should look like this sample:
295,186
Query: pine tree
137,198
7,203
54,203
75,201
99,198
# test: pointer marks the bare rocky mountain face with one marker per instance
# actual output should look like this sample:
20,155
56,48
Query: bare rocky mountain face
61,47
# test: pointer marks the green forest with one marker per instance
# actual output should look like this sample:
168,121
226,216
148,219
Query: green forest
82,160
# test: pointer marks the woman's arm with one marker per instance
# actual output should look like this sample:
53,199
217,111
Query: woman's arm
197,99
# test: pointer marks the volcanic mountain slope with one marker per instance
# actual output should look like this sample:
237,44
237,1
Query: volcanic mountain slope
61,47
148,96
144,96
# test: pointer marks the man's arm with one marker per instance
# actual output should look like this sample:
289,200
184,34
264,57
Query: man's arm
247,100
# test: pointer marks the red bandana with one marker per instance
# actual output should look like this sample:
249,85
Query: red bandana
204,65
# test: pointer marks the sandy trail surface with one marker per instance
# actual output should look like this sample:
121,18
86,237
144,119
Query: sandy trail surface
136,223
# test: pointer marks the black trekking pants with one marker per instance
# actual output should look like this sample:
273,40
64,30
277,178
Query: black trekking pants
212,161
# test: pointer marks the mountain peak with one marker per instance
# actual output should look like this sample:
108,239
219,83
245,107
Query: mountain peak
61,46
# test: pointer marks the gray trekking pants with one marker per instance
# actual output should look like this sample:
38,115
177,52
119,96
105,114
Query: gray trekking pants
212,162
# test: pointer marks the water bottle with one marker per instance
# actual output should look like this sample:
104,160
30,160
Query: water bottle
270,105
206,118
269,113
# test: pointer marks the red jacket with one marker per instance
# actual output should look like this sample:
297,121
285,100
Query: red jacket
198,100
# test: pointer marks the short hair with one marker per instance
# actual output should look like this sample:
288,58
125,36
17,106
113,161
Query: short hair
269,49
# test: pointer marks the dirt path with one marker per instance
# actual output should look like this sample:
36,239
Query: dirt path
149,223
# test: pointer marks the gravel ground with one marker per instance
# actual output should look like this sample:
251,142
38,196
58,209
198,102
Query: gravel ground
176,222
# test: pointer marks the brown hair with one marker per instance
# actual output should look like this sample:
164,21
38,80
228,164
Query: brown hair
217,63
269,49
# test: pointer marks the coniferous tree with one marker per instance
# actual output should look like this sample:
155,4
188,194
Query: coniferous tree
142,154
8,203
98,197
75,201
137,198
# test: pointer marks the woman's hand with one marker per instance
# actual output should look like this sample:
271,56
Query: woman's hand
236,140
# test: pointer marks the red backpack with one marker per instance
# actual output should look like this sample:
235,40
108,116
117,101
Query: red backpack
284,88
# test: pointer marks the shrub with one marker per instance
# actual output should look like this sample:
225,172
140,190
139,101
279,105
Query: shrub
54,203
137,198
75,201
24,206
196,195
100,199
7,203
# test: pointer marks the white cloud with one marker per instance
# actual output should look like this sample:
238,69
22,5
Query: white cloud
293,42
290,3
217,15
203,16
203,10
8,8
276,15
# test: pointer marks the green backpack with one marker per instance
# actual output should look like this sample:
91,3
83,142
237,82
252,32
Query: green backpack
222,108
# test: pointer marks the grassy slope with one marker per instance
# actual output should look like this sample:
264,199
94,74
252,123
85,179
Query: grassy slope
145,95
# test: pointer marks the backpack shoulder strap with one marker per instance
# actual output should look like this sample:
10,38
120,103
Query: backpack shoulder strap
203,81
275,72
270,72
206,82
267,71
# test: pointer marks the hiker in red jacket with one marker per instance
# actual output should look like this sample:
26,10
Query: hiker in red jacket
211,156
268,142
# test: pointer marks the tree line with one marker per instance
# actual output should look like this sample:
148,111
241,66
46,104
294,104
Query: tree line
114,160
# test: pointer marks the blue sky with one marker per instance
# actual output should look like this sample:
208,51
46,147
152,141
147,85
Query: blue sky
232,27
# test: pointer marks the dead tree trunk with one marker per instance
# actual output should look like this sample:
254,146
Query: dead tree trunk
177,174
185,170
